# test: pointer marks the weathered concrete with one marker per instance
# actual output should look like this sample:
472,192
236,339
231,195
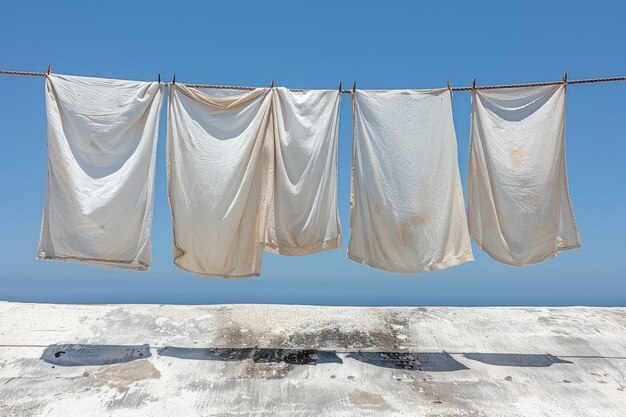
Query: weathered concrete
148,360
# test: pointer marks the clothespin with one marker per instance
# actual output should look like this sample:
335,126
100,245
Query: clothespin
159,78
354,88
474,84
174,80
272,85
565,78
49,69
449,88
340,87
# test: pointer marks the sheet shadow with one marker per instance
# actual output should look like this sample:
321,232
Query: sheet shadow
257,355
419,361
90,355
515,359
94,355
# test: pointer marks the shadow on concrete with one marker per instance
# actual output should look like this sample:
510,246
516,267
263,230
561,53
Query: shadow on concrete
515,359
93,355
258,355
90,355
418,361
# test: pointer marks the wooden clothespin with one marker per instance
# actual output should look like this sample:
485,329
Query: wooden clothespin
474,84
272,85
339,87
174,80
565,78
49,69
354,88
449,88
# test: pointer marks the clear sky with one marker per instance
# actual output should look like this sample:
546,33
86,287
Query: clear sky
317,44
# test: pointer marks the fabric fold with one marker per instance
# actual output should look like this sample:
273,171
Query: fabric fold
519,206
102,137
406,211
251,171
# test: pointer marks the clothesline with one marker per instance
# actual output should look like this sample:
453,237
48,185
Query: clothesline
349,91
255,173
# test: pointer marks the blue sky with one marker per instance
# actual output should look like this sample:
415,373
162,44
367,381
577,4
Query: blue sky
395,44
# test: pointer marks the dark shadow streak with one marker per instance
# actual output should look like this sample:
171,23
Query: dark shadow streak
257,355
90,355
417,361
515,359
94,355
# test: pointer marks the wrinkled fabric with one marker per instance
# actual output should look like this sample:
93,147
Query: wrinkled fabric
102,137
217,178
303,217
519,206
250,171
407,212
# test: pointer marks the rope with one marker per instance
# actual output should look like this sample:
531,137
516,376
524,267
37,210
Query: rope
221,87
31,74
585,81
597,80
490,87
482,87
244,88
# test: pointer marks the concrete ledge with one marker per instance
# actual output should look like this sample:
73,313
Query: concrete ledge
226,360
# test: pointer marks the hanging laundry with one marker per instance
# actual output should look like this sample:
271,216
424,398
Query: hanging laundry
219,145
249,171
102,137
519,206
407,212
303,217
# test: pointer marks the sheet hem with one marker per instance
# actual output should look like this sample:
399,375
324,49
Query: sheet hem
531,262
215,275
104,263
449,262
327,245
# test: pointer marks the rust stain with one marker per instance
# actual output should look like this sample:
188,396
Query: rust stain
516,157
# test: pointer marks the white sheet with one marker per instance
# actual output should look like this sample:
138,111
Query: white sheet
303,218
248,171
102,137
407,211
519,206
218,178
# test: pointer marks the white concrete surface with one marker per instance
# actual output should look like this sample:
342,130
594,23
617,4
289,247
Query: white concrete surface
262,360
